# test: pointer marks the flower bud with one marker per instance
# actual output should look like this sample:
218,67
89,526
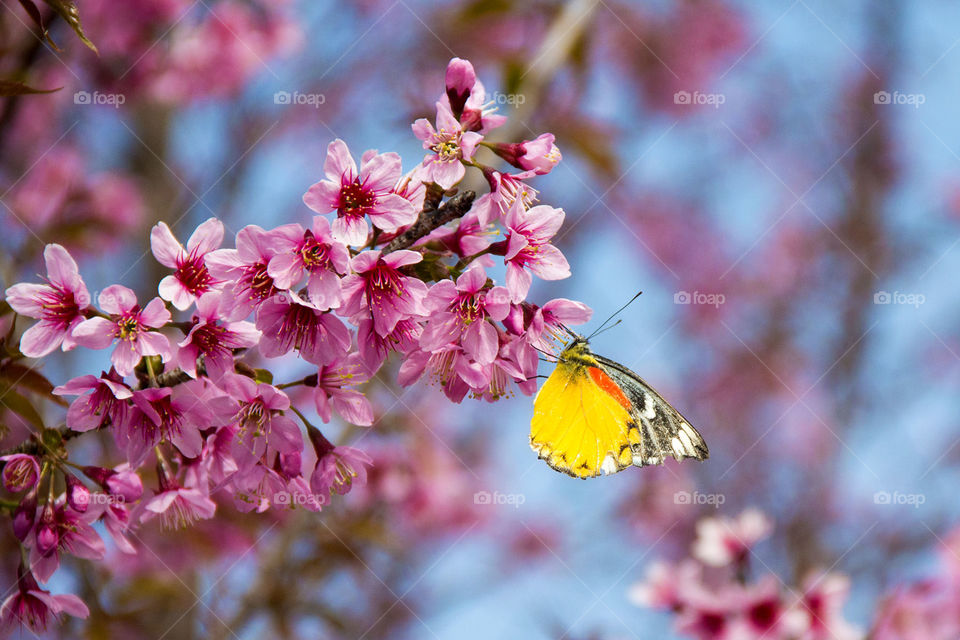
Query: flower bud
540,155
78,495
24,516
460,79
47,536
21,472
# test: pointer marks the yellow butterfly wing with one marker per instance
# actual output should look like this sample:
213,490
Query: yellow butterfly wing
581,422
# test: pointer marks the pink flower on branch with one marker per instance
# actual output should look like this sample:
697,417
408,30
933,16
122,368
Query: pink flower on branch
355,196
176,415
318,255
374,348
100,402
246,267
192,279
20,472
34,607
214,340
289,323
338,469
448,145
60,528
58,305
529,250
540,155
378,289
257,421
333,390
178,507
465,97
128,325
461,315
722,541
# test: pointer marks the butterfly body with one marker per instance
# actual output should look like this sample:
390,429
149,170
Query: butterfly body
594,416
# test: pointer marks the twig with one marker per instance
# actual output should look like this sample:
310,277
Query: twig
430,219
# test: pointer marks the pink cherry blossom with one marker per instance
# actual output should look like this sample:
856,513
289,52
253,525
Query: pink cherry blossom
318,255
338,469
529,249
121,481
378,289
666,586
61,529
246,267
824,595
20,472
357,195
375,348
449,367
722,541
101,401
412,188
177,506
448,144
257,421
465,97
192,279
129,325
505,190
34,607
461,315
58,305
542,327
333,389
289,322
460,78
540,155
213,339
765,614
175,414
468,238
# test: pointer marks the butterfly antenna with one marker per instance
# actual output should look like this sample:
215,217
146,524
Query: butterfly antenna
605,329
613,315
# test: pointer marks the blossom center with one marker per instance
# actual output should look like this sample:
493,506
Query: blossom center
385,280
469,307
355,200
193,275
210,338
59,306
259,281
447,147
313,252
128,326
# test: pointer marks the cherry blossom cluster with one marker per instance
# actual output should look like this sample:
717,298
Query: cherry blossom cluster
391,262
714,595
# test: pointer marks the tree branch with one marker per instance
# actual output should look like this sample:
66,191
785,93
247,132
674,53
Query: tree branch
432,218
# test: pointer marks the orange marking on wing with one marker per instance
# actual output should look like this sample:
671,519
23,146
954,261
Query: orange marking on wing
609,386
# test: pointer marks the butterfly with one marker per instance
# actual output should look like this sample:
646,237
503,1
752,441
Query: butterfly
594,416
